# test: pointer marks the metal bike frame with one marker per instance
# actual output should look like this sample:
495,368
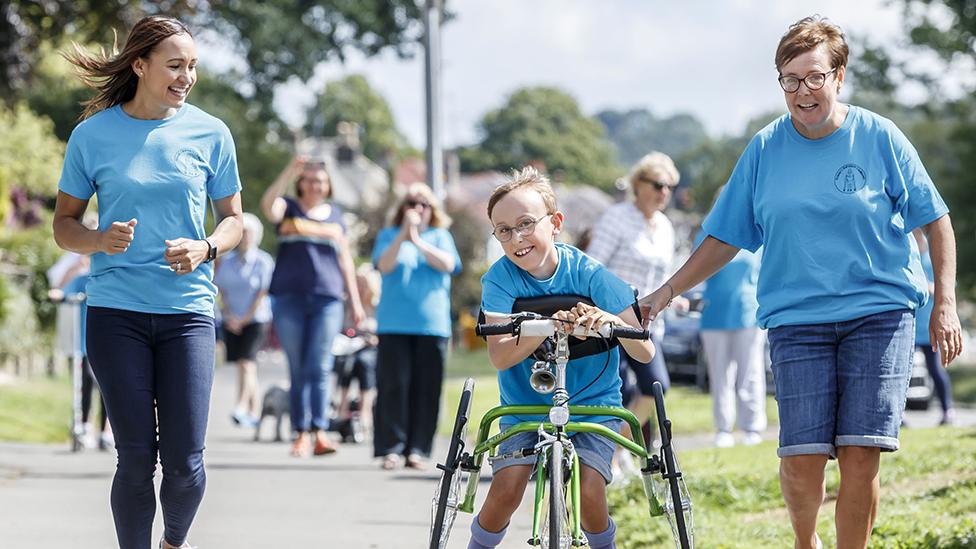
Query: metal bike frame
558,430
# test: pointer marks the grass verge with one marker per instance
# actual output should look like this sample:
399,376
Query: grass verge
928,494
36,410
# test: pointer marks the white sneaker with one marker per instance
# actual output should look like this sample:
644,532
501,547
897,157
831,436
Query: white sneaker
186,545
724,440
752,438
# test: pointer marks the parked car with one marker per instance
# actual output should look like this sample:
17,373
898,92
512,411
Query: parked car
921,389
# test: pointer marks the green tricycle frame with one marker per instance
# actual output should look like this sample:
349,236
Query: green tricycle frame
556,511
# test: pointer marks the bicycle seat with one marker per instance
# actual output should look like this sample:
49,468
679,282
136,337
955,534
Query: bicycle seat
548,305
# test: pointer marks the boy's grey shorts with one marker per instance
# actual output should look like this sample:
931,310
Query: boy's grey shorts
594,451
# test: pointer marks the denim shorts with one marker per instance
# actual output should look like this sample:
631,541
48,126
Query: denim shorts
594,451
842,383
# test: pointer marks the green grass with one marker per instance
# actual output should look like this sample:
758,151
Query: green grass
928,494
689,408
36,410
963,383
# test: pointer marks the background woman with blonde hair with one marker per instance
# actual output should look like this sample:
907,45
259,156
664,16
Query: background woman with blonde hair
153,161
636,242
417,257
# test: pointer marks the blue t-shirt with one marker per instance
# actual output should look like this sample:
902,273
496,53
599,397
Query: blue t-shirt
308,264
415,298
577,274
160,172
730,294
241,278
834,216
72,288
924,313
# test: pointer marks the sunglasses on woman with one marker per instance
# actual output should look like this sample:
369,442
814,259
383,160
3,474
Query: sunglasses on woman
414,203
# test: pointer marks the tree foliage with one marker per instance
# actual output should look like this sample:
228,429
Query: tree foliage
30,154
544,125
351,99
637,132
942,129
277,39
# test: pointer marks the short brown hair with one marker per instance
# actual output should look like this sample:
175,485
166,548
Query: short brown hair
529,178
808,33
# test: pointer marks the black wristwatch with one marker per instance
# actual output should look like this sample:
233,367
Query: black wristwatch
211,251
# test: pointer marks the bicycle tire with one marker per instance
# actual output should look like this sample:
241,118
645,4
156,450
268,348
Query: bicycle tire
677,505
445,509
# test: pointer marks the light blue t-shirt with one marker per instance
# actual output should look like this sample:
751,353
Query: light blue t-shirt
160,172
834,216
415,298
924,313
730,294
240,279
577,274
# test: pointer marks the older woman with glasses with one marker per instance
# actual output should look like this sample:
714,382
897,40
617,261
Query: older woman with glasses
416,257
832,193
635,241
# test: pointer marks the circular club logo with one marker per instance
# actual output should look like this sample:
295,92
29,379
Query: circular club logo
849,179
188,162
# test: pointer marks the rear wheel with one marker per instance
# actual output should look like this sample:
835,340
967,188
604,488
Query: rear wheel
447,497
676,499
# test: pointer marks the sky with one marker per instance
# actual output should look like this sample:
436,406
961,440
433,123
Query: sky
711,58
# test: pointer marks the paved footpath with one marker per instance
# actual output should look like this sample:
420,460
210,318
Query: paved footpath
257,496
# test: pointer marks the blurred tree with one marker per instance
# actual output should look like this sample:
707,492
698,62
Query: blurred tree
261,151
709,165
351,99
277,39
637,132
544,125
942,128
30,155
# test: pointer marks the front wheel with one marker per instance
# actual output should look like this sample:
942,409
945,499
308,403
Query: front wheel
676,499
447,497
555,532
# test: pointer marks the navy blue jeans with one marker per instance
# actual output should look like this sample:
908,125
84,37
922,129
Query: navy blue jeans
155,372
306,325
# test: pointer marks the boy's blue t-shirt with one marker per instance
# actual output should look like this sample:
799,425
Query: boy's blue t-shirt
834,217
577,274
924,313
160,172
415,298
730,294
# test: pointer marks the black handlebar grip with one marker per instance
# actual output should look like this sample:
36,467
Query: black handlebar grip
494,329
623,332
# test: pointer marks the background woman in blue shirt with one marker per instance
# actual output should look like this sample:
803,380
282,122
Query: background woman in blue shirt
313,274
153,161
243,277
416,256
832,192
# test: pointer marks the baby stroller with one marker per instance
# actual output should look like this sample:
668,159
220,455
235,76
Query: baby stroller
354,353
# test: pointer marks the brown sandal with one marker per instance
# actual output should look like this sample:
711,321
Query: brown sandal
324,446
301,447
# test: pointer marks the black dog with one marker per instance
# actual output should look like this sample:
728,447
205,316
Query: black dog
275,404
